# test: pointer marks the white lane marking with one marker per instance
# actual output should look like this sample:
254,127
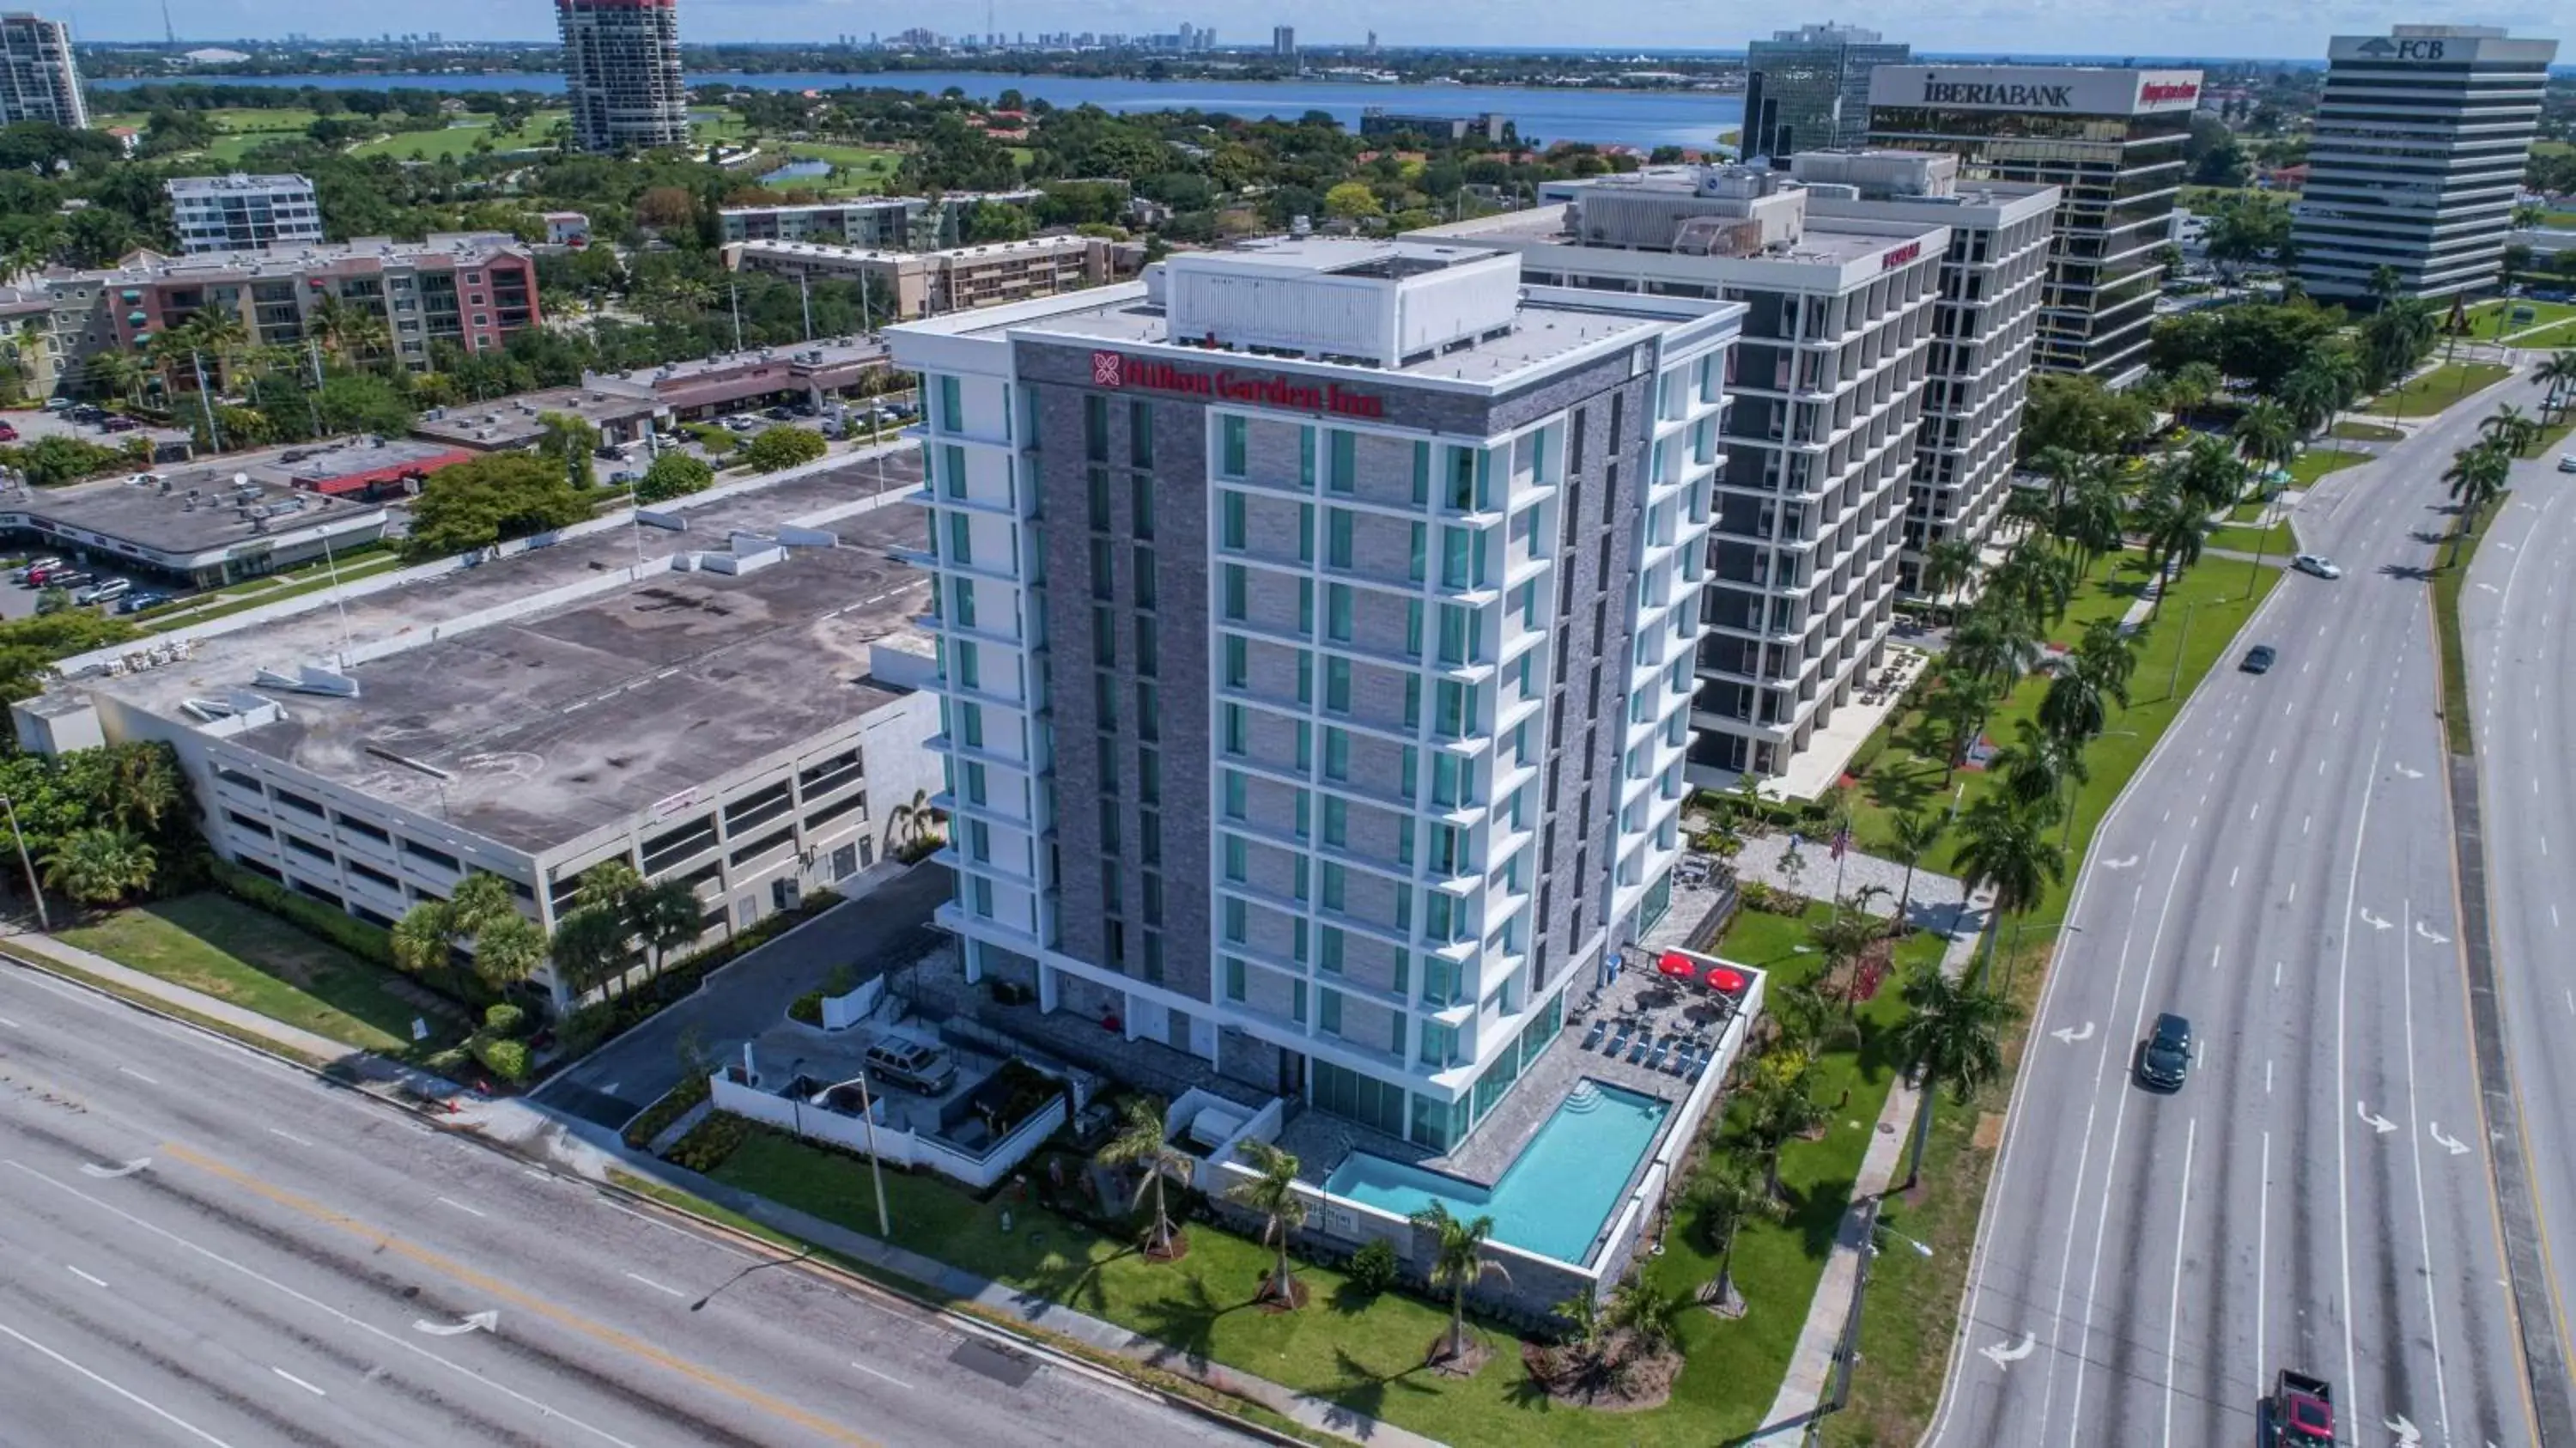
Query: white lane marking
2423,1221
2343,1077
2119,1122
85,1277
299,1382
2173,1306
656,1286
146,1404
137,1075
460,1206
886,1377
2262,1241
318,1305
290,1136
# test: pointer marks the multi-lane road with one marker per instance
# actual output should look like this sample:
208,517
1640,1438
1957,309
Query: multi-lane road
2518,631
2318,1194
201,1247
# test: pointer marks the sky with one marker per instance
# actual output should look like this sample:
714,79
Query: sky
2283,28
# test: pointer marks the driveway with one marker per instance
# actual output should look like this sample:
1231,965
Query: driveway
884,928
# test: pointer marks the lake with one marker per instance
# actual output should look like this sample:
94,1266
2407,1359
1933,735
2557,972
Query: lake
1544,114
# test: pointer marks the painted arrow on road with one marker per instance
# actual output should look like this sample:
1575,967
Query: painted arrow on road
2451,1144
2410,773
2070,1035
2425,932
2408,1435
2000,1354
111,1173
2375,923
2380,1124
487,1320
2119,864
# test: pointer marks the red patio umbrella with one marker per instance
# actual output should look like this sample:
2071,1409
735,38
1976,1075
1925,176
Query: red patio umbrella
1724,980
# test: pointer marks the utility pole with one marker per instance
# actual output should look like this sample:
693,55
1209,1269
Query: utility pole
43,921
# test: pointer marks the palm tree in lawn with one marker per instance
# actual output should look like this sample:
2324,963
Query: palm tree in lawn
1729,1194
2195,385
1947,566
1952,1036
2173,527
2559,371
2476,478
100,865
1145,1139
1914,835
588,947
1458,1262
2267,434
2004,847
1273,1192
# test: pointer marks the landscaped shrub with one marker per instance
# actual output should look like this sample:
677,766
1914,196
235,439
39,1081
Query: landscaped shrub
1374,1268
505,1020
709,1142
655,1119
503,1058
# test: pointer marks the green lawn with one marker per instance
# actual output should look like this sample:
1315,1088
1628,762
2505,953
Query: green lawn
2493,321
1365,1353
218,945
1910,774
2437,389
2355,430
2313,465
455,141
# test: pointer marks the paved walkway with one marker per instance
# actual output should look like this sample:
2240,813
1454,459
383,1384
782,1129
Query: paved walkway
531,1132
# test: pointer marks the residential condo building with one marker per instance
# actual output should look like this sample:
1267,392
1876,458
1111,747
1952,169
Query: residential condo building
1316,629
1808,89
2109,138
1819,437
1985,325
242,213
622,73
2421,138
38,79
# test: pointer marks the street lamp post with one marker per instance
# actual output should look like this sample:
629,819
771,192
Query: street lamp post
34,892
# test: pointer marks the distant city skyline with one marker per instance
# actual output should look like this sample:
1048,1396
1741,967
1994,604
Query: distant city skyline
2078,27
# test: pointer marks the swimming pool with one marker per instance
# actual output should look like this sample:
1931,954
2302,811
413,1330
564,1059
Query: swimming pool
1554,1197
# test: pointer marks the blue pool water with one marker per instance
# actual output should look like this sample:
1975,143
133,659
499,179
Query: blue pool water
1552,1200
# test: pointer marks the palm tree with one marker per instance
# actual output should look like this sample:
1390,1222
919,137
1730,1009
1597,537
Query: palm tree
2476,478
1145,1139
2005,848
2267,434
1947,566
1728,1194
101,865
1274,1193
1952,1036
1458,1262
1915,835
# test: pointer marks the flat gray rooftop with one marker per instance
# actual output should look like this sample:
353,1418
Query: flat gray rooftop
557,722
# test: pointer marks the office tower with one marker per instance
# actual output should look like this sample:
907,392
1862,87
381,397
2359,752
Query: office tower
1808,89
1818,436
38,81
1985,325
2421,138
622,73
1316,625
2110,139
241,213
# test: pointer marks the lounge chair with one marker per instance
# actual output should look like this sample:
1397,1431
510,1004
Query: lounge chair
1592,1040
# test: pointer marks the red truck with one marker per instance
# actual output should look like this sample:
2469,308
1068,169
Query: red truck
2300,1412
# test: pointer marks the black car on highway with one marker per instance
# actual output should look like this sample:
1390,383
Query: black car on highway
2165,1059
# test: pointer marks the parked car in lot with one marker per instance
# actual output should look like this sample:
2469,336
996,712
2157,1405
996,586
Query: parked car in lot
2317,565
912,1065
2260,658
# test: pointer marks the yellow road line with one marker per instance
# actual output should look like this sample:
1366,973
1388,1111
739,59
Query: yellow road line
483,1282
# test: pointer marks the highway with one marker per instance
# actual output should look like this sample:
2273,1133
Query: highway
199,1246
2516,617
2317,1195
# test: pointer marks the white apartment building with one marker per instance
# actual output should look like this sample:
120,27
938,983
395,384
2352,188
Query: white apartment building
2421,138
38,79
1985,325
1820,435
243,213
1317,627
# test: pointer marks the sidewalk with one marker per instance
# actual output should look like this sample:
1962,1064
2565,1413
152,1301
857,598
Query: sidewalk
529,1132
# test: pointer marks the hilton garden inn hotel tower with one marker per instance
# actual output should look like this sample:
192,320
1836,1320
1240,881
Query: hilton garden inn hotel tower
1316,629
